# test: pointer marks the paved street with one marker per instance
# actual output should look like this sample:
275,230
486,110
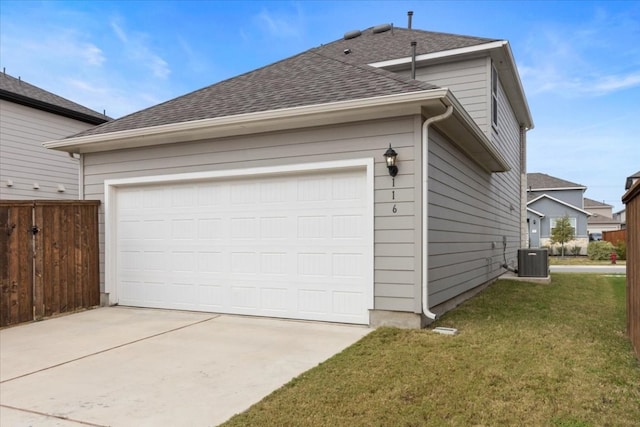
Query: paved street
600,269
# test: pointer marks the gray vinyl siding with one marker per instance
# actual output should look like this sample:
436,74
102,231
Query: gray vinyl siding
470,210
468,80
24,161
573,197
395,285
553,209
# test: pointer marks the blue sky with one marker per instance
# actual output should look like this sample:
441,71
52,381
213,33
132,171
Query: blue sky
579,62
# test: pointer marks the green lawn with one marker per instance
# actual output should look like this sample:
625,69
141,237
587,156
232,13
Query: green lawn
526,354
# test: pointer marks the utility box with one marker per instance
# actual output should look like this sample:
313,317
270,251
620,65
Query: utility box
533,263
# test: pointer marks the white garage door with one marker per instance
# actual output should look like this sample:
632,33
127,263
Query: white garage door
294,246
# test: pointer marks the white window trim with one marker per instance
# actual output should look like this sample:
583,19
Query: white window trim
494,83
111,187
572,219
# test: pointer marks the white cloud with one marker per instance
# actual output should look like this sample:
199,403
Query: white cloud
614,83
119,32
137,48
583,60
93,54
281,25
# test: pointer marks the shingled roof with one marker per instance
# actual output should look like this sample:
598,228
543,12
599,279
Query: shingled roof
594,203
371,46
318,76
539,181
18,91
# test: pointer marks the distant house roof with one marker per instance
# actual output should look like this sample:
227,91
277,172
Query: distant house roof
595,204
597,219
18,91
338,71
542,181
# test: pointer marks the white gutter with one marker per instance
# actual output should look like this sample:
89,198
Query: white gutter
262,121
425,208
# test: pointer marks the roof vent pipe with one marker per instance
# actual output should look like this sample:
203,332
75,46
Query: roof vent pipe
409,15
413,59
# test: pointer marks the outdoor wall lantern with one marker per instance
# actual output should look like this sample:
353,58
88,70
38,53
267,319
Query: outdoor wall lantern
390,156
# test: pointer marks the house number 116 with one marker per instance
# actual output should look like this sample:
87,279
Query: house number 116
393,195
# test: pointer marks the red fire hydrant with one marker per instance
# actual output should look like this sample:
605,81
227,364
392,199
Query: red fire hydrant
613,257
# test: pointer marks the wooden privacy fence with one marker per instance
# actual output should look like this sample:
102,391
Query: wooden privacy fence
632,201
49,261
614,236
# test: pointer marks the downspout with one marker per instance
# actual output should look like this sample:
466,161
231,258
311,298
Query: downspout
523,187
81,177
425,208
80,159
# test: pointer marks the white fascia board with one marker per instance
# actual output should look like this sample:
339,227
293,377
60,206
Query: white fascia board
516,88
263,121
442,54
535,212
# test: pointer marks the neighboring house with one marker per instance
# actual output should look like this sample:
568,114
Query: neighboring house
268,194
621,217
30,116
550,198
602,217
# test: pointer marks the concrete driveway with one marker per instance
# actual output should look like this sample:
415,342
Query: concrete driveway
120,366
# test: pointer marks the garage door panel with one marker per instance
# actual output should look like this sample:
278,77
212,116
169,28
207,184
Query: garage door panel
287,246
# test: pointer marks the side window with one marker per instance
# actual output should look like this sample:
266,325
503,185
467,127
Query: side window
494,96
572,220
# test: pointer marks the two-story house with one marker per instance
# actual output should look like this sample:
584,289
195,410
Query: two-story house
601,219
30,116
550,198
377,179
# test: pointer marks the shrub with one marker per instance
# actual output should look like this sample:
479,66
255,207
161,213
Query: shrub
599,250
575,250
621,249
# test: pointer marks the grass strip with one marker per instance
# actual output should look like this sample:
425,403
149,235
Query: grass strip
526,354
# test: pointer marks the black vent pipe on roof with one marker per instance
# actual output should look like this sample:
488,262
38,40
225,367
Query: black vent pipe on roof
409,15
413,59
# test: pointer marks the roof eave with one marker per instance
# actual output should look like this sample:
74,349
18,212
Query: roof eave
462,129
465,133
51,108
536,190
251,123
